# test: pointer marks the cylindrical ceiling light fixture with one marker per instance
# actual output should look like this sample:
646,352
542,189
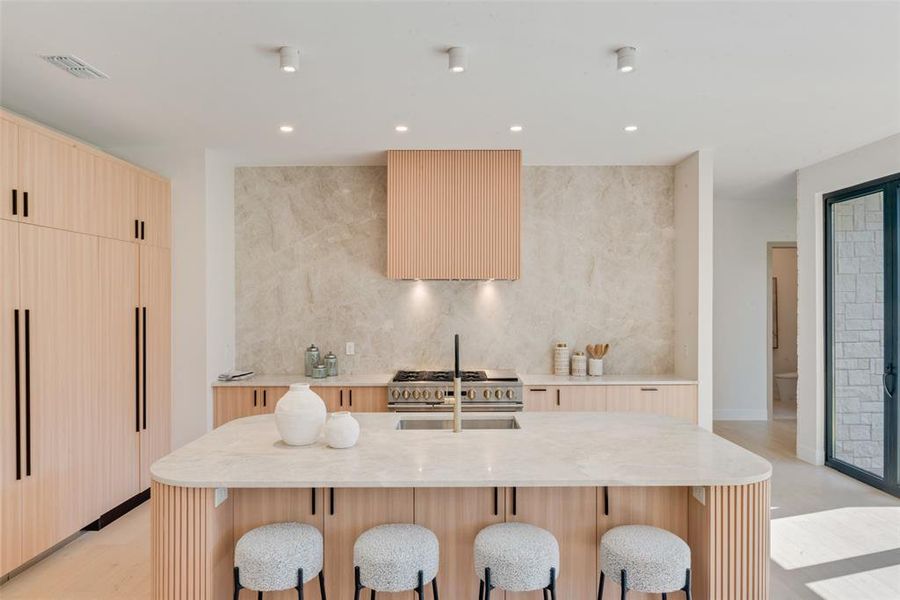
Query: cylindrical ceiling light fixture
626,59
290,59
458,59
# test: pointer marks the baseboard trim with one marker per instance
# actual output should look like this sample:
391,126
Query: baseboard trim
740,414
813,456
118,511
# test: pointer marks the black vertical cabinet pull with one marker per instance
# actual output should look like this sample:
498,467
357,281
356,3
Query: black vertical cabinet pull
136,233
24,204
27,393
254,397
514,503
557,397
496,501
351,397
137,369
18,395
15,207
606,500
142,230
331,501
341,396
265,393
313,495
144,363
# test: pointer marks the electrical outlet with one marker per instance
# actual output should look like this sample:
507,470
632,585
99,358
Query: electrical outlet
699,494
221,496
351,349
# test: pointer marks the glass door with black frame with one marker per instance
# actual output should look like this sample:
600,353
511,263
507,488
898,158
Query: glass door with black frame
861,327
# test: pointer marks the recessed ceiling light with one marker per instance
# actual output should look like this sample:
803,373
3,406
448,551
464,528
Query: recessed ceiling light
290,59
515,128
630,128
626,59
457,59
401,128
286,128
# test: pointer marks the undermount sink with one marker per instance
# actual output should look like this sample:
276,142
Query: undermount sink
498,423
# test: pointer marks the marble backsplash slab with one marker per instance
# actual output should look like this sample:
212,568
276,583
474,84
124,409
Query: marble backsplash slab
597,266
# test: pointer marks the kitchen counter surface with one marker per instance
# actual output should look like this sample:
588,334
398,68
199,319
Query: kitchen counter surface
384,379
529,380
263,380
550,449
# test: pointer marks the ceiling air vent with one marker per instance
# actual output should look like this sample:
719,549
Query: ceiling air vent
74,66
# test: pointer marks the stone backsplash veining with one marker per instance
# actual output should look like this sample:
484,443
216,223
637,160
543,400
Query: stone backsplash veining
597,266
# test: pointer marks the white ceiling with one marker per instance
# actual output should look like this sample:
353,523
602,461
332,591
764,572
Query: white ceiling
771,87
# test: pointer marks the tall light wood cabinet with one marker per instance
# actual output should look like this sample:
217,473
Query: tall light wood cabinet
85,327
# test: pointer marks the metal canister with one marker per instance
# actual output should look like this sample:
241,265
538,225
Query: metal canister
331,364
319,371
311,360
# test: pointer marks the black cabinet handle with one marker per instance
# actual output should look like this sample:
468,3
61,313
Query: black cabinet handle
514,503
254,397
313,495
496,501
24,204
27,393
537,389
144,363
265,392
351,397
18,395
137,369
331,497
341,397
649,389
606,500
137,234
142,230
557,397
15,207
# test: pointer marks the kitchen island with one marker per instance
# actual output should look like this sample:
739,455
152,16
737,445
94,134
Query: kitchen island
575,474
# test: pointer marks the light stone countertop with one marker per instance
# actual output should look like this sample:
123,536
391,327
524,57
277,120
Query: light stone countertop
530,380
550,449
384,379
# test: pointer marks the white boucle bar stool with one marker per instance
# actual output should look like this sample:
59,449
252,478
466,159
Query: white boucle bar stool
516,557
396,558
280,556
648,559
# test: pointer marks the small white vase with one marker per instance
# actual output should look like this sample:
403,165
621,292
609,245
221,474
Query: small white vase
341,430
300,415
595,367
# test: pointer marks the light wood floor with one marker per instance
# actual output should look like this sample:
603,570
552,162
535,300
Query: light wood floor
833,538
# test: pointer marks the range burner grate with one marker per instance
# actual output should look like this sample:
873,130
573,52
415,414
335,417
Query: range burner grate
439,376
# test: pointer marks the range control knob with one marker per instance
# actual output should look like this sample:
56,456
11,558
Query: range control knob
405,394
416,394
498,393
487,394
511,394
426,394
395,394
439,394
470,394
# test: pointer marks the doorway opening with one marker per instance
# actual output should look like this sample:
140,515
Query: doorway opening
782,354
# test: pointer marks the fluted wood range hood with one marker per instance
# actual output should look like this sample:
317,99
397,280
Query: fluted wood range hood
454,214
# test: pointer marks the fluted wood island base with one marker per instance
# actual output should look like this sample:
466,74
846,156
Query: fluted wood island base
726,525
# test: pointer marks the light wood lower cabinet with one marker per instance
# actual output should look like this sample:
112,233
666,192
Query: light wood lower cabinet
566,398
234,402
367,399
541,398
333,397
456,515
353,511
679,401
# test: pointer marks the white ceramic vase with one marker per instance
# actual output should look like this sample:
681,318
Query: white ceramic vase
300,415
341,430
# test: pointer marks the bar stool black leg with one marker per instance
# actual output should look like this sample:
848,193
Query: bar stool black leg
664,597
434,591
552,586
322,584
487,583
372,595
687,584
624,584
356,583
237,583
420,586
600,589
258,595
480,590
300,584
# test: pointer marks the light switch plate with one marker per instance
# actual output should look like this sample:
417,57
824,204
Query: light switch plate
351,348
221,496
699,494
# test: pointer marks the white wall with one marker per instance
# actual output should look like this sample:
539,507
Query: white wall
742,230
858,166
694,276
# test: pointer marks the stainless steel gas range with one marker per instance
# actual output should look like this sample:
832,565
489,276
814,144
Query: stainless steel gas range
430,391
